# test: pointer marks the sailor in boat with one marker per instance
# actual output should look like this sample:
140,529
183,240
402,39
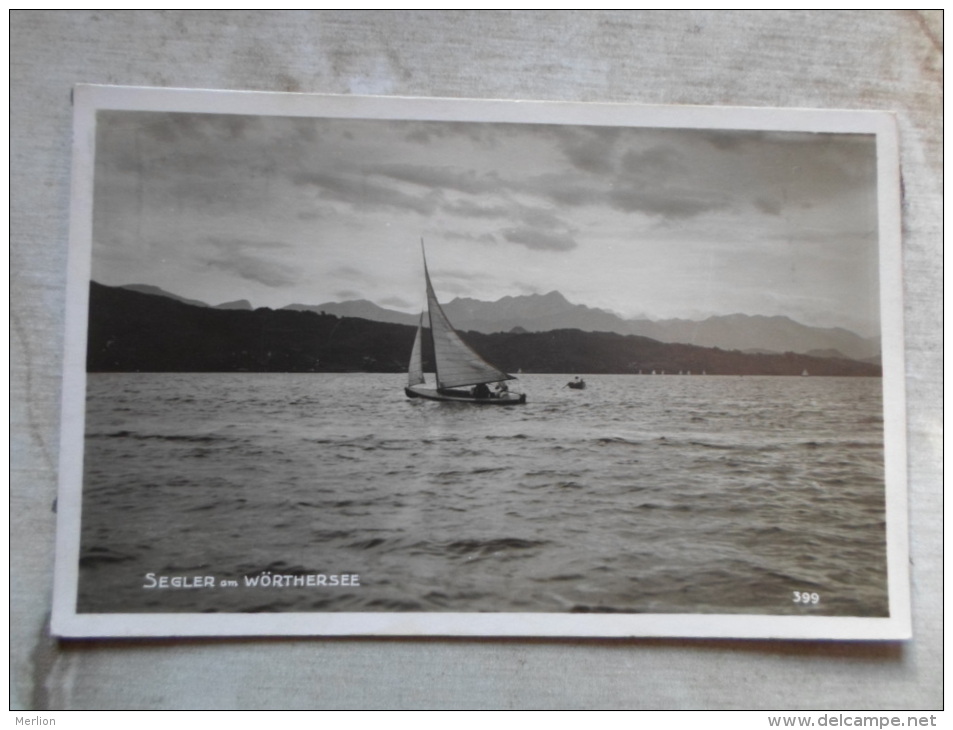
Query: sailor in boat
480,390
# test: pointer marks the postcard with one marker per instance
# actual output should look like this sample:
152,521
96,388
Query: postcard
370,366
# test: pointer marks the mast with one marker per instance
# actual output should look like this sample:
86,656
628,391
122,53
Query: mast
423,253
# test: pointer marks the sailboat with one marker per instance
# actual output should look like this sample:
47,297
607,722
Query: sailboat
462,375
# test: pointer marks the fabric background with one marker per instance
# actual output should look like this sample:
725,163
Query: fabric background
890,60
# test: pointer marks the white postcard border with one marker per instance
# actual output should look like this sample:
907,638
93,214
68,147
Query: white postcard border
88,99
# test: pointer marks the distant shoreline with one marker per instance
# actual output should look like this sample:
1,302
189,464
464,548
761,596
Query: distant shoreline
132,331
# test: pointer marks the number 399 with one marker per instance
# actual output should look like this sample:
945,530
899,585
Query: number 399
805,597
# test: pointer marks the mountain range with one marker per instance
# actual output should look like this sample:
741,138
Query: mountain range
547,312
132,331
157,291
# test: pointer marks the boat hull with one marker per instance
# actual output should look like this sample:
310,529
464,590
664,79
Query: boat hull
506,399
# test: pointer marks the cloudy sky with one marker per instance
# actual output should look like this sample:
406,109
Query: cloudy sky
656,222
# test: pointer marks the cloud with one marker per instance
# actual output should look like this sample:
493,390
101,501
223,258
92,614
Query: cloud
469,209
592,150
443,178
362,192
250,260
594,155
566,190
668,204
166,183
452,235
540,218
347,272
305,129
396,302
429,132
419,136
770,207
254,268
628,195
167,127
540,240
728,139
662,161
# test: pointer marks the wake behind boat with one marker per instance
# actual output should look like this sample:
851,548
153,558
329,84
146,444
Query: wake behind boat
461,374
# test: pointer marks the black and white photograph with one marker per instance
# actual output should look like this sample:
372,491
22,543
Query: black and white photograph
365,366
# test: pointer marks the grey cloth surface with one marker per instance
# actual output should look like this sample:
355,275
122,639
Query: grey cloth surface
888,60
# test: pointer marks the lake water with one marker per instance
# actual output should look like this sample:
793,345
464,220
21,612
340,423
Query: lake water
667,494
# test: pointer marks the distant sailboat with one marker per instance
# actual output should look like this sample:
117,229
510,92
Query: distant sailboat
456,364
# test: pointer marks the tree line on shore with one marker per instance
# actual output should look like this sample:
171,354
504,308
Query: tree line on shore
131,331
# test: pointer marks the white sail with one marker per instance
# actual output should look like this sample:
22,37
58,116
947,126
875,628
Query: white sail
456,363
415,373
